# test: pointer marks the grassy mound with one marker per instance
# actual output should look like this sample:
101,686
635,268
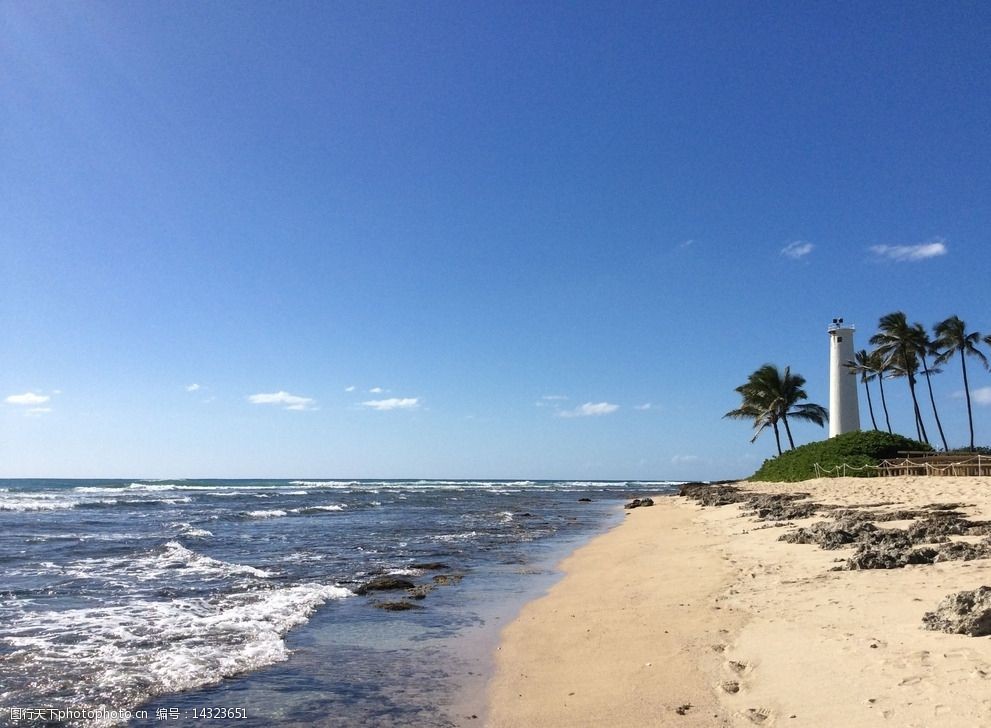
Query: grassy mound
854,448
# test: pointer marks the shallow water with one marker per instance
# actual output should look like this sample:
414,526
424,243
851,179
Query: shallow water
185,599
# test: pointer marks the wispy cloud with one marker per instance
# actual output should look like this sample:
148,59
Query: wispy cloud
38,411
284,400
349,389
981,396
376,390
384,405
685,459
907,253
686,244
643,407
27,399
590,409
193,387
797,249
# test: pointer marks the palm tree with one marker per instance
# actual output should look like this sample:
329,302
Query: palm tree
878,366
924,346
861,364
896,344
770,397
951,338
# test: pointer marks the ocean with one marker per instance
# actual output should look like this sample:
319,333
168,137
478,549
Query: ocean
194,602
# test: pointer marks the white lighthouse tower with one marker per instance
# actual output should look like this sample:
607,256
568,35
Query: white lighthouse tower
844,409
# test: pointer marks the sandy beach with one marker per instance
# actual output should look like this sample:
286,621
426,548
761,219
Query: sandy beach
691,615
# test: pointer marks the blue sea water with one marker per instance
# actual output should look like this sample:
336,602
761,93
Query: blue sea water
197,602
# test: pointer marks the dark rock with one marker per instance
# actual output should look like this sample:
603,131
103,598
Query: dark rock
962,551
858,514
830,535
781,506
881,549
448,579
712,495
966,612
429,566
420,591
584,500
384,583
936,528
640,503
398,606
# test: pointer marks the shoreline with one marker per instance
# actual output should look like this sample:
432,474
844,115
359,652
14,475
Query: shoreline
687,615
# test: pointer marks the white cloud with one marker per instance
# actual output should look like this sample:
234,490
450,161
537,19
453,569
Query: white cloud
349,389
28,398
797,249
643,407
284,399
981,396
376,390
384,405
590,409
903,253
193,388
687,244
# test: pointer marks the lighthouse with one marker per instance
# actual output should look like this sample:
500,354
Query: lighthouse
844,410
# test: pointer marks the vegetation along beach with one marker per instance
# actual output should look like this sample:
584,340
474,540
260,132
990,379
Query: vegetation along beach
511,364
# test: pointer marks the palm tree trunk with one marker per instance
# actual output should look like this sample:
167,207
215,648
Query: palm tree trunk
791,443
884,402
870,405
777,436
920,428
932,400
966,389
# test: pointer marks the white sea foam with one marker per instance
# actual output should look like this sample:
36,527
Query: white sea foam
35,502
310,509
456,536
124,654
171,560
197,533
325,483
267,514
506,516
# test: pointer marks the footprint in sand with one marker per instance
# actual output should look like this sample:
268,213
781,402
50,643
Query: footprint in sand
737,666
732,687
913,680
757,715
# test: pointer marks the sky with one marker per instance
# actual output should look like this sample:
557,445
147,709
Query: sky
471,240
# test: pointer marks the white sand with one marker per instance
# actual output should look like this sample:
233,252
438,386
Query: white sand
678,601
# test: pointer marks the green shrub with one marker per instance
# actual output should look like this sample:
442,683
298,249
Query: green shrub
855,449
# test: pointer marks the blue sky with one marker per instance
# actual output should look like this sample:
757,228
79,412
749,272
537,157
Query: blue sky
469,240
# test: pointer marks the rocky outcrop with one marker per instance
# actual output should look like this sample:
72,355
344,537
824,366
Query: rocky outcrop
966,612
781,506
384,583
640,503
712,495
401,605
831,535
